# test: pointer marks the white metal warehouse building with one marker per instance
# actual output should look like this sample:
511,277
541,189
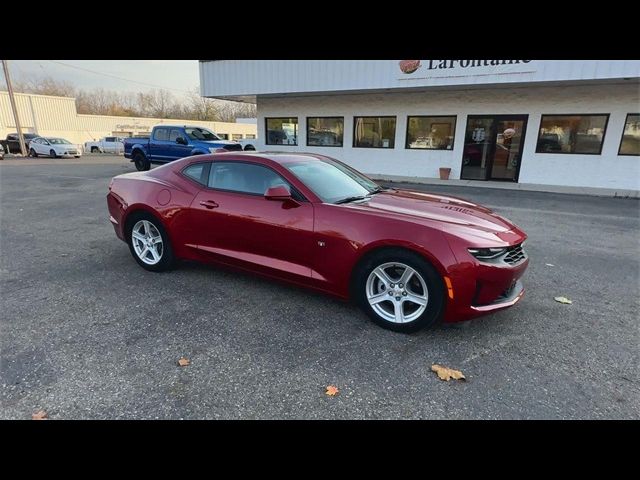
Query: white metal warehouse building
52,116
546,122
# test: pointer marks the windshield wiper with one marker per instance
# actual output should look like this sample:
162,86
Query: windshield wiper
378,190
350,199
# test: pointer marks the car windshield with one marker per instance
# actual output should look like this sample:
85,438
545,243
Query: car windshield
196,133
332,181
58,141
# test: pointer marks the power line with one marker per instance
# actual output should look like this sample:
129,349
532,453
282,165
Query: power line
119,78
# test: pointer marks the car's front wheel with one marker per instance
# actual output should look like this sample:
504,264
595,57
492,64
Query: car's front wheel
399,290
149,242
52,153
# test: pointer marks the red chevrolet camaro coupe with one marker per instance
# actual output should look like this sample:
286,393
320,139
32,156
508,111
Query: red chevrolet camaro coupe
407,258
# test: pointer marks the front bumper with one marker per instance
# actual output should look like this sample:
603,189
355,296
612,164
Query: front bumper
510,298
479,289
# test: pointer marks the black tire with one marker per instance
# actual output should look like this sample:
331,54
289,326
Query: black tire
52,153
32,153
167,258
249,148
429,274
95,150
141,162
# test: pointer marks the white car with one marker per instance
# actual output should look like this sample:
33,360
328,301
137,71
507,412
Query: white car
105,145
54,147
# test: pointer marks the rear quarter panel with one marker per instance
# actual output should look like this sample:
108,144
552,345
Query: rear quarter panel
167,197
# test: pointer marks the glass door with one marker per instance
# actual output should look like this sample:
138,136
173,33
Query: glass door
493,147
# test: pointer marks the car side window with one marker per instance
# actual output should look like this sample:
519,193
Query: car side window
175,133
244,178
198,172
161,134
109,139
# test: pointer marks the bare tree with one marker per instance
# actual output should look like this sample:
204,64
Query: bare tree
45,86
154,103
201,108
229,111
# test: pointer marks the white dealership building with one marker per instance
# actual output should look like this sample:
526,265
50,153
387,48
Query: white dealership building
569,123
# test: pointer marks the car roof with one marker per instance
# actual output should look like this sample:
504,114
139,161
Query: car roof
278,157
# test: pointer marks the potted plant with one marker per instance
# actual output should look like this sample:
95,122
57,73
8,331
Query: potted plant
444,173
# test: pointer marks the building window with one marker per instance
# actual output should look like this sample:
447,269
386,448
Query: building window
430,133
223,136
572,134
250,136
325,131
236,136
374,132
282,131
630,143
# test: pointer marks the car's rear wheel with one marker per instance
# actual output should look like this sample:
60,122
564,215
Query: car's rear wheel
149,242
249,148
141,163
32,153
399,290
95,150
52,153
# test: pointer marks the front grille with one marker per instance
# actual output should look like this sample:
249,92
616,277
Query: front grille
233,147
72,152
514,255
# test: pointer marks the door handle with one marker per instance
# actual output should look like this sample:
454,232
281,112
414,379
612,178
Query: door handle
209,204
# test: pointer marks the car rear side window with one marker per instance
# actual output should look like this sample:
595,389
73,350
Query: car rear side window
198,172
244,178
161,134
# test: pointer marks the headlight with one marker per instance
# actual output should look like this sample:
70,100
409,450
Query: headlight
486,253
213,149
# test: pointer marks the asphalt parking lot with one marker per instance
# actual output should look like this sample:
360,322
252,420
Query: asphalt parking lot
86,333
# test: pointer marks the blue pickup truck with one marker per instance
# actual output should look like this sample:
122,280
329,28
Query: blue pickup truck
171,142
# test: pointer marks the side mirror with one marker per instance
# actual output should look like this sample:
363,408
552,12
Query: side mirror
280,192
181,140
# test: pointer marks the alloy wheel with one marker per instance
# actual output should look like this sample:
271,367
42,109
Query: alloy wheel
147,242
397,292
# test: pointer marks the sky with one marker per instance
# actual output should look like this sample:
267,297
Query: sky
177,76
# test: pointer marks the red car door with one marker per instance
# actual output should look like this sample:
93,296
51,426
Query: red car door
236,224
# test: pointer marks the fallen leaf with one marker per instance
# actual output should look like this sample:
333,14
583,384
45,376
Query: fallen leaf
549,264
447,374
183,362
332,391
563,300
40,415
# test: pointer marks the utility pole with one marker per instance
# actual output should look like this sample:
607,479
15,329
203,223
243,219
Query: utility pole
23,147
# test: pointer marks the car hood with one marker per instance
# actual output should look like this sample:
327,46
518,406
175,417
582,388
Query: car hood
449,213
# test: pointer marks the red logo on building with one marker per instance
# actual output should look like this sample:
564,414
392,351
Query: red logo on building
409,66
